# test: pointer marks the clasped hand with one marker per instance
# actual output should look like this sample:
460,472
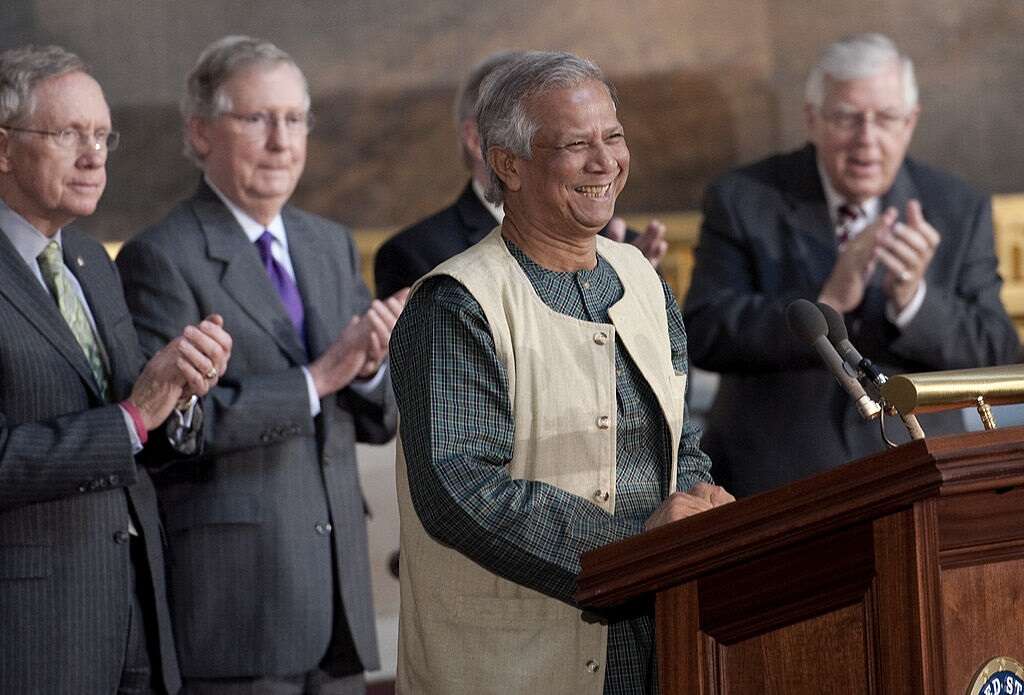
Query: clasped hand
361,348
905,250
191,364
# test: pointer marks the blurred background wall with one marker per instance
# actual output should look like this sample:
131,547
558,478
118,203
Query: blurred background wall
704,86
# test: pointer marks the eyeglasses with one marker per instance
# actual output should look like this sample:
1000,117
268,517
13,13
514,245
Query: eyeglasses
890,122
72,138
257,125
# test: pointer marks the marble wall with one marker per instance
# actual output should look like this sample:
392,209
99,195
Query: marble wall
704,86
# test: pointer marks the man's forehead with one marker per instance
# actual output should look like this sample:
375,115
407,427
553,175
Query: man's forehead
277,84
70,98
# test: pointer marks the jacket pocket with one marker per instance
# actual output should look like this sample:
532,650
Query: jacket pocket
212,510
24,562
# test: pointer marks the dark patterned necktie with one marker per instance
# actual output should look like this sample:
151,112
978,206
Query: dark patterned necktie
283,283
847,216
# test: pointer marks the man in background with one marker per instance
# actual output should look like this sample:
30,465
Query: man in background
271,582
413,252
904,251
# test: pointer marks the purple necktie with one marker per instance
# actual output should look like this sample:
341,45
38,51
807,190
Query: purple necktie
283,283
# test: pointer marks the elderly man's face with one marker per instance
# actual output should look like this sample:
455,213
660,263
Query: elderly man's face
47,184
256,153
580,161
862,132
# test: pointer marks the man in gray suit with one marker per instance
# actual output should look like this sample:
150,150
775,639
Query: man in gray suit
270,586
82,595
905,251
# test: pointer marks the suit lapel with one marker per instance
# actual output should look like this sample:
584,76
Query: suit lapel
312,274
23,290
903,189
95,283
807,218
244,277
476,219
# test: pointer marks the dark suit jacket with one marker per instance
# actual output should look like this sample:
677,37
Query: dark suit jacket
258,577
413,252
766,240
68,484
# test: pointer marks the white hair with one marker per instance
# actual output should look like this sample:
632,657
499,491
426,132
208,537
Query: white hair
501,114
858,56
219,62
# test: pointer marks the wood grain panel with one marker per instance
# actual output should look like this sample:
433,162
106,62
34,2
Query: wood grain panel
982,609
823,655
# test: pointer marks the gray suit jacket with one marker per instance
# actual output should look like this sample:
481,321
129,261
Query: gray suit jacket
260,583
68,484
766,240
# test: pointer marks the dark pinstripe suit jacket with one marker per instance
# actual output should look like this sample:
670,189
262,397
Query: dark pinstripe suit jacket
254,561
67,482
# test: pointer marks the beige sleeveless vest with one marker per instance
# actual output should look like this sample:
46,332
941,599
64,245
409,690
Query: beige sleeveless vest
462,629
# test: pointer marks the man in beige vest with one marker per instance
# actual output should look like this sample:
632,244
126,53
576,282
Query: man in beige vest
541,378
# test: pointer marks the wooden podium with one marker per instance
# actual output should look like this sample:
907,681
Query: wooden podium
898,573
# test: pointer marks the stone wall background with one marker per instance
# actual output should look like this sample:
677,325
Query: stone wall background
704,86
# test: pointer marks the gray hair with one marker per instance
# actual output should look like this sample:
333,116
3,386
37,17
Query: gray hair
858,56
21,71
501,114
217,64
469,92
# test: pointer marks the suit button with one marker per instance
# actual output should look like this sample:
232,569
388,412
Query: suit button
84,487
604,422
323,529
121,537
326,461
601,495
592,666
600,337
113,480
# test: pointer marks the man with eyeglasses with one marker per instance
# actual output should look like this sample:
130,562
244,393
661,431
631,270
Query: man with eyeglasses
904,251
270,580
82,595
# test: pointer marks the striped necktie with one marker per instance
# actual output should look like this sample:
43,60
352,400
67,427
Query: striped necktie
847,216
52,265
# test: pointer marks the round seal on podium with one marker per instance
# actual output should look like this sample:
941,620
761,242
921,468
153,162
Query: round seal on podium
1000,676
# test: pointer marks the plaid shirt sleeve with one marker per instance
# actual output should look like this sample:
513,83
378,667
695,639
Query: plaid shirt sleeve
693,464
457,433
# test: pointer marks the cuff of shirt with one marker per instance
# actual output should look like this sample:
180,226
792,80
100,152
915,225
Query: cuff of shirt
900,319
314,399
133,433
366,386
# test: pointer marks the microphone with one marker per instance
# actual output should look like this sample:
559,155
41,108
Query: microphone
806,321
840,339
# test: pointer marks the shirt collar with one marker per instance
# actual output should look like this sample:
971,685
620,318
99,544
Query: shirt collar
497,210
28,241
870,207
253,229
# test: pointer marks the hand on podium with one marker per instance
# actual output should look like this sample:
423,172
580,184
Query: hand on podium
679,505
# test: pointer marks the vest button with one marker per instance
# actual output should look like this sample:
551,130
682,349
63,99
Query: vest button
600,337
604,422
592,666
601,495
